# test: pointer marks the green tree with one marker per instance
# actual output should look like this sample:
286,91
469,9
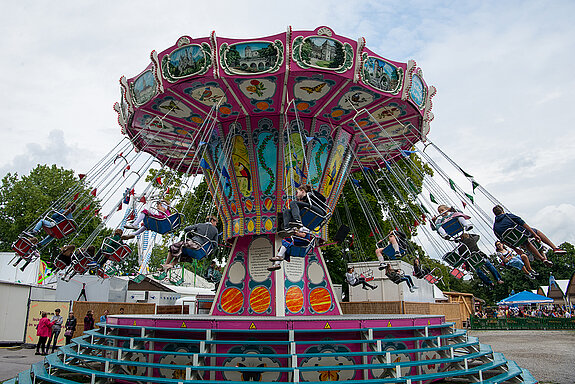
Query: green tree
339,56
25,200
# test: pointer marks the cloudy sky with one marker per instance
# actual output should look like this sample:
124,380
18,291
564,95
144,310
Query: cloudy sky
501,68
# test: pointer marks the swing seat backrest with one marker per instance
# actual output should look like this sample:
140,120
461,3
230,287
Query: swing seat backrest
62,228
59,264
452,227
514,236
80,261
101,274
367,275
457,273
163,225
301,250
22,246
312,218
431,279
198,254
115,250
475,260
390,252
453,258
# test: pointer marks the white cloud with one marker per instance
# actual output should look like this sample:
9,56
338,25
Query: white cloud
557,222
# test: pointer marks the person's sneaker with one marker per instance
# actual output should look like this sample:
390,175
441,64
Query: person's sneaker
364,287
447,237
469,227
534,273
559,251
530,276
37,353
415,287
374,286
382,266
130,226
411,289
274,268
398,255
548,262
276,258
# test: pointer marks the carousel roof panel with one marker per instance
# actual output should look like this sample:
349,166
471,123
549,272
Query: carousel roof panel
316,77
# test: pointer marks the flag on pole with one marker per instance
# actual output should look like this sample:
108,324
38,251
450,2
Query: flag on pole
452,185
81,176
93,193
432,198
474,184
470,197
204,164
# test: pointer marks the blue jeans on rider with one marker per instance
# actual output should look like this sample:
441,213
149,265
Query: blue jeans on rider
491,269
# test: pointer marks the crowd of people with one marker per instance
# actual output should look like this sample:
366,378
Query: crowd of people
48,329
559,311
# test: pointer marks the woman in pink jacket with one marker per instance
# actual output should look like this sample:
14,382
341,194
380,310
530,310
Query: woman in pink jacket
44,330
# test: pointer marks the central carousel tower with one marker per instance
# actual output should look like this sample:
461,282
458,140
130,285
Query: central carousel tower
259,118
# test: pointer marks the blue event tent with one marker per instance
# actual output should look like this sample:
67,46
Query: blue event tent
525,297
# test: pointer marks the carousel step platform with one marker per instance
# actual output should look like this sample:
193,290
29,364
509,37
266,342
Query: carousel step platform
208,349
24,377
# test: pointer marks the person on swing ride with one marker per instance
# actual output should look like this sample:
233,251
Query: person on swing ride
398,241
445,214
162,211
108,248
203,233
65,255
353,279
56,218
298,239
470,241
510,259
419,271
505,221
292,217
397,276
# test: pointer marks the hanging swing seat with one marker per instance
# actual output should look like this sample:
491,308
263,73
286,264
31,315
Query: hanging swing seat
475,260
317,214
59,264
101,273
514,236
80,261
453,227
115,250
367,275
62,227
431,278
163,225
390,252
138,279
23,247
206,249
301,246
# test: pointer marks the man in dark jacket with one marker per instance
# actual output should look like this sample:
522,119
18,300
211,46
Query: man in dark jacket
505,221
202,234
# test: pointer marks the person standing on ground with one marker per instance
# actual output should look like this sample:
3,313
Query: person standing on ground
43,331
89,321
70,327
104,317
57,322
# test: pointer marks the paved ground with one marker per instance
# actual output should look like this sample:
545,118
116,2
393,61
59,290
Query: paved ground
549,355
15,360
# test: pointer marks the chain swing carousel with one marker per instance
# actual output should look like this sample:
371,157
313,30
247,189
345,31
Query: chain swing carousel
258,118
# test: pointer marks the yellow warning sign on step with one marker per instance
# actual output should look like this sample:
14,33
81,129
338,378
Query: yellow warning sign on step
389,324
184,325
327,326
428,322
252,326
134,322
